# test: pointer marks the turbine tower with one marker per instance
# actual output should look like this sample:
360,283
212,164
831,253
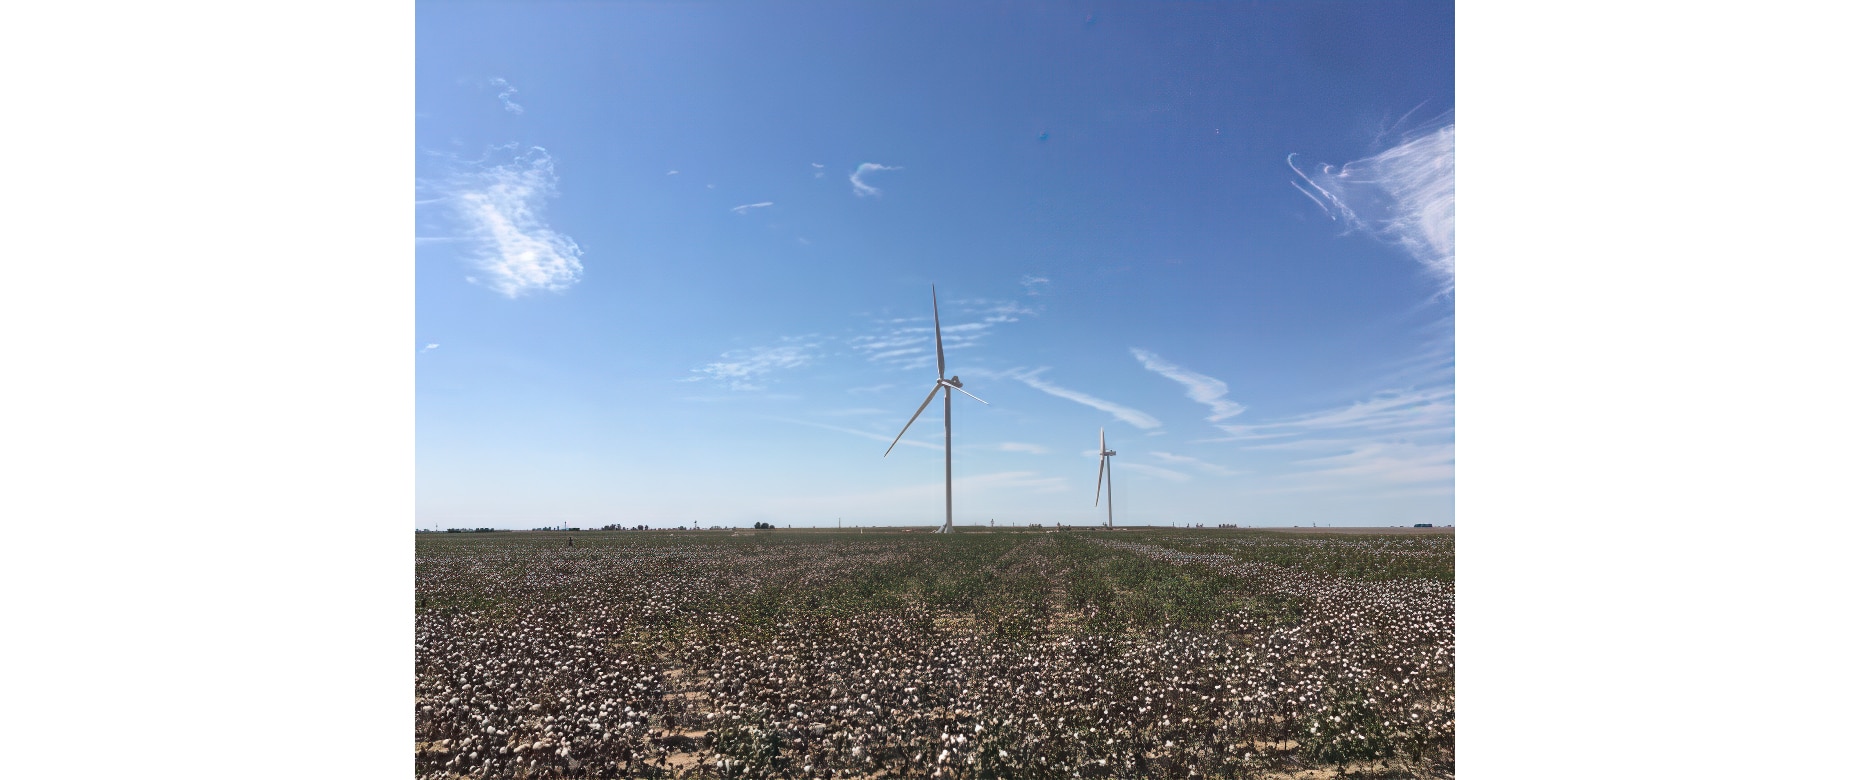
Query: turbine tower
947,427
1104,475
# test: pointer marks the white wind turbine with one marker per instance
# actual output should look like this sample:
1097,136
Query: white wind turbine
947,428
1104,475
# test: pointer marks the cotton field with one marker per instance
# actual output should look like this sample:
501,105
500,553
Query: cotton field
1144,654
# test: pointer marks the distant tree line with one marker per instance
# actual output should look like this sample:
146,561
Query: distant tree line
763,526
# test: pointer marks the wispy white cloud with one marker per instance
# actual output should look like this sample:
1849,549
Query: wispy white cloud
500,207
750,206
1307,193
1392,443
1403,195
1395,437
1202,388
965,323
1431,364
507,91
1186,460
856,412
738,397
872,388
1390,462
1154,471
906,441
1428,409
857,179
427,348
672,173
1035,285
747,370
818,171
994,312
1014,446
902,347
1121,412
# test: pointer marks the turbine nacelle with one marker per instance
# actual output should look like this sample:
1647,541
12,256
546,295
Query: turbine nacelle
955,383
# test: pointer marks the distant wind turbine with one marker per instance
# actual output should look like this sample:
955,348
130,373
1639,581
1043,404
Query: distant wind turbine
1104,475
947,427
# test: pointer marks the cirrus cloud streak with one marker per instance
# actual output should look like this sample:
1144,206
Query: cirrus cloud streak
1134,417
1403,195
747,370
863,190
500,208
1202,389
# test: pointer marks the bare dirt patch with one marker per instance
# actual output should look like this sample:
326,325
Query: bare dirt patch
682,762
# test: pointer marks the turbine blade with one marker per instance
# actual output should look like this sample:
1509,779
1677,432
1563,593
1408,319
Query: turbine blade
941,362
912,420
1100,480
968,394
1100,441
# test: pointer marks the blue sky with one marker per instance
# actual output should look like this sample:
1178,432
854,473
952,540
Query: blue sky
673,262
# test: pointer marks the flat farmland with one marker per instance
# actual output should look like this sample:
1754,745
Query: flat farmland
985,654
